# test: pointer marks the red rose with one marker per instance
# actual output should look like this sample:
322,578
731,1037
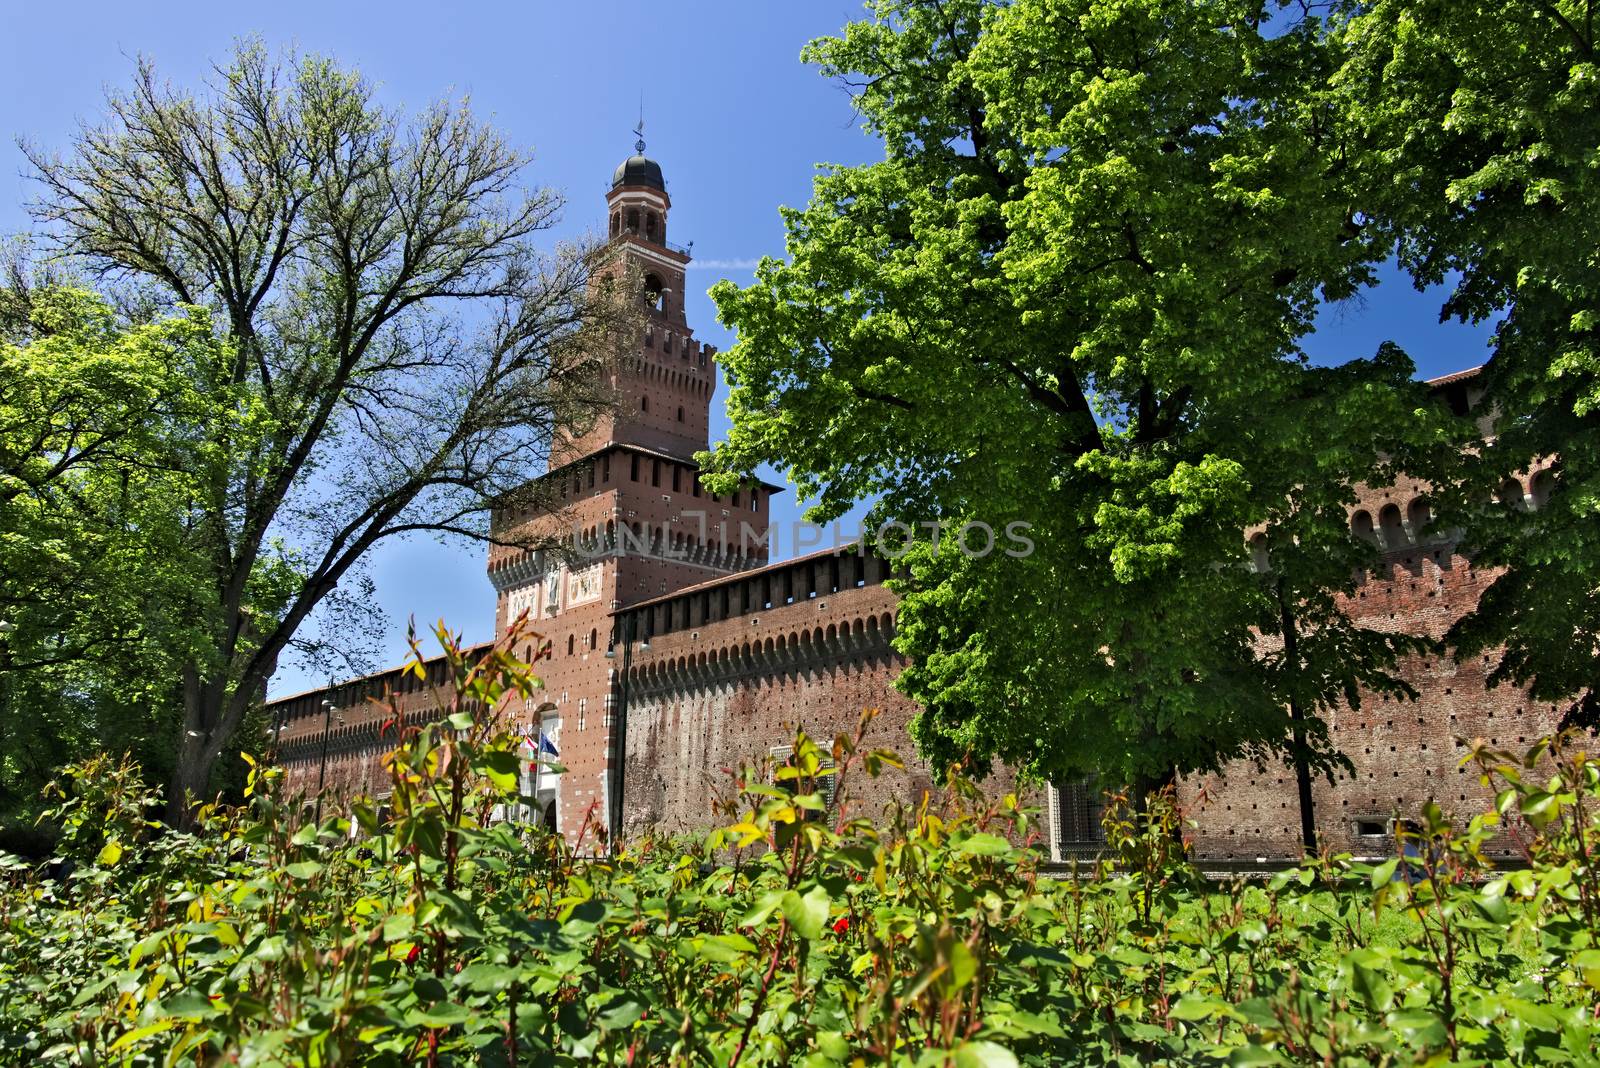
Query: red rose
841,925
411,957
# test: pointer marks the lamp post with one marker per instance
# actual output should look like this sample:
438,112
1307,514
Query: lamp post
322,764
628,625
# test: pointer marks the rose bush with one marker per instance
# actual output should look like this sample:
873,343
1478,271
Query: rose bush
797,933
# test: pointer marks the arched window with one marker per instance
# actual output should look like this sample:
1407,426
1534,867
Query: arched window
1393,530
594,636
652,291
1544,484
633,220
572,642
1361,527
1420,516
650,225
1511,494
616,223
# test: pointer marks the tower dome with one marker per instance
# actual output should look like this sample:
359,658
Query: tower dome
639,169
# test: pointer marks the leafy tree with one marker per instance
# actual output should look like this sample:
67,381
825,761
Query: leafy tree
376,281
1071,296
98,579
1479,125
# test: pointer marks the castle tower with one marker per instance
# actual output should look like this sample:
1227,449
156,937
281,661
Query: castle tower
665,391
628,504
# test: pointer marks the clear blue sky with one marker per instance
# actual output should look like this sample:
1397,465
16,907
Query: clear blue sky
735,120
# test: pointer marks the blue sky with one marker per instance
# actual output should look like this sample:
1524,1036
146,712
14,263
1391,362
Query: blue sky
736,121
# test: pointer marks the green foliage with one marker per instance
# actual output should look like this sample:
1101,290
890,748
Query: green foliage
1478,127
106,428
426,932
1071,296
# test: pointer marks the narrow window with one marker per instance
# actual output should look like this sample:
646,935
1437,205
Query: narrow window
676,473
680,413
633,466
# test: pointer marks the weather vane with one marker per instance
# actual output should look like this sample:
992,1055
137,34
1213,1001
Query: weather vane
638,131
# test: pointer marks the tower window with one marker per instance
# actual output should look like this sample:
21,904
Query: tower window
644,404
605,469
736,499
571,644
655,473
680,413
633,468
633,220
676,470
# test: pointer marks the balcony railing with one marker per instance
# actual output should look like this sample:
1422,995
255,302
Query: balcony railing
671,246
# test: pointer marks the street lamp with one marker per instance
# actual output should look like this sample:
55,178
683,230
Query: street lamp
619,725
322,765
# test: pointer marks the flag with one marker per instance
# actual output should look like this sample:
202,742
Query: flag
547,746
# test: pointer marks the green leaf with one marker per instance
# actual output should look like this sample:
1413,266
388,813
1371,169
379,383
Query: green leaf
110,853
983,1055
984,844
806,914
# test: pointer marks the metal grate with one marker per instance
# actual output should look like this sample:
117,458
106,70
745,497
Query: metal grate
1079,806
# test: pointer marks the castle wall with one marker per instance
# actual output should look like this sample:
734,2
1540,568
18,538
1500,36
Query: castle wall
713,696
1403,752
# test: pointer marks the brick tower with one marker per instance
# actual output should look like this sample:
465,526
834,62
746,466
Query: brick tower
630,504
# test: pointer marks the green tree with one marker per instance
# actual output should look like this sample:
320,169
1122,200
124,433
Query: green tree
1480,125
1071,295
376,281
99,423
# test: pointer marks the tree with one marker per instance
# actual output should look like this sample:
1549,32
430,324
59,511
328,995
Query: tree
377,283
97,575
1479,127
1071,296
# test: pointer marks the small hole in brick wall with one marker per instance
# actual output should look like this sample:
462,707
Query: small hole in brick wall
1397,774
1391,749
1447,690
1370,828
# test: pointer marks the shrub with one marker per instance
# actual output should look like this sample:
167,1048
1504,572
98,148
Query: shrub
798,933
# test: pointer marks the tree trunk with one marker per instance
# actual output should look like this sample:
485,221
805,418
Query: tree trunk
1297,728
205,714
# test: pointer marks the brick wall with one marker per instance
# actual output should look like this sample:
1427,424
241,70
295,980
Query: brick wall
1404,752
